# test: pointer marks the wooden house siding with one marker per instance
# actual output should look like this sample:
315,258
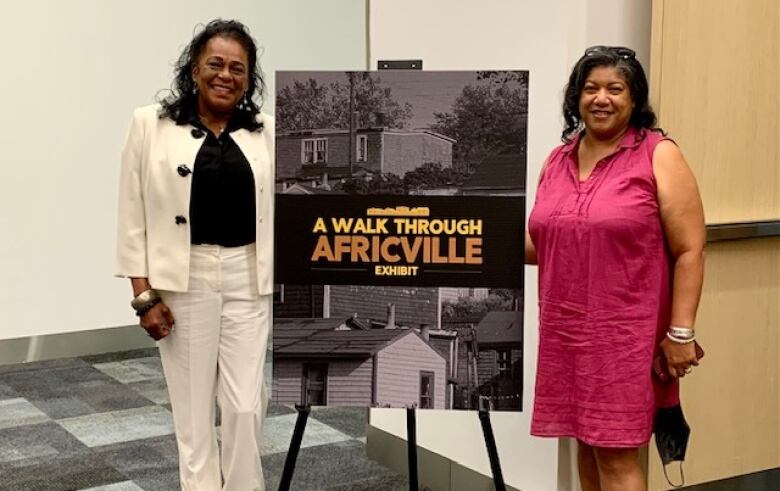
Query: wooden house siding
288,155
289,151
374,152
404,152
398,372
348,382
300,301
287,379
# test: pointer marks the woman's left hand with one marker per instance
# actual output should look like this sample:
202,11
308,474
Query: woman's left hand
680,358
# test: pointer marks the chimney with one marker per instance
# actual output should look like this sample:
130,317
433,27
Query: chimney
380,119
425,331
390,316
325,184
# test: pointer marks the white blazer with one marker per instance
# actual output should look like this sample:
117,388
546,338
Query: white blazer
153,239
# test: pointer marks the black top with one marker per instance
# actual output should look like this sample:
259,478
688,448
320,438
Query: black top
222,202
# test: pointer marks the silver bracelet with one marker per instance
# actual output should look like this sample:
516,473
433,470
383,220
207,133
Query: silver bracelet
680,340
143,299
681,332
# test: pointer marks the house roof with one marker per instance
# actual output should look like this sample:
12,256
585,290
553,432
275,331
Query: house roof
420,132
375,129
498,172
500,327
329,131
334,171
299,188
295,337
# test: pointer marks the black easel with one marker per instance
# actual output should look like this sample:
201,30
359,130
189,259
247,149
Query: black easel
411,447
295,446
490,443
297,438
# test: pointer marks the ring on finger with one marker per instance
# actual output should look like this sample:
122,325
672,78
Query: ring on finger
688,370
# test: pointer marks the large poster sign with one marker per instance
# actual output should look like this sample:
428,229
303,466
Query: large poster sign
376,240
400,205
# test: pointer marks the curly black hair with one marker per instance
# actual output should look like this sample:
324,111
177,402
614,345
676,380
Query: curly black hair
641,117
182,100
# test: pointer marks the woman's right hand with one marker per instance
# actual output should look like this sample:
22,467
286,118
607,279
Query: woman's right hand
158,322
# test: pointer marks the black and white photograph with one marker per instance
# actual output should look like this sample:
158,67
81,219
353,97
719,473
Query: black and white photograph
439,145
402,132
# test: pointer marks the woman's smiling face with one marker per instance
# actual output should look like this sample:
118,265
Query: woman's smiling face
605,102
221,74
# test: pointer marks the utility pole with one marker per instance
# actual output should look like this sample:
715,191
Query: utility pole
351,115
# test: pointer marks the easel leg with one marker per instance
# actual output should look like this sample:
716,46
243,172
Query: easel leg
411,442
295,447
490,443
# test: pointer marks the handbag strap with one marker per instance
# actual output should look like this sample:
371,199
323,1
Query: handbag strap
682,477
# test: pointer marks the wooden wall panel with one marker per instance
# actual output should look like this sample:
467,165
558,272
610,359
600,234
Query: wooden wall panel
732,401
715,83
716,75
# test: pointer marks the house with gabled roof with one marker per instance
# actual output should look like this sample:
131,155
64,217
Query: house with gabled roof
351,363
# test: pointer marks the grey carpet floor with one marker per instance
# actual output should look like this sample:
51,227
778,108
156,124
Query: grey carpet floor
103,423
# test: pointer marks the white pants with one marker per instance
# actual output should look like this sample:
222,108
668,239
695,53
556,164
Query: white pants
217,350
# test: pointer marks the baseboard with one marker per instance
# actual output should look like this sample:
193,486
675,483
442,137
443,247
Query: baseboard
50,346
435,472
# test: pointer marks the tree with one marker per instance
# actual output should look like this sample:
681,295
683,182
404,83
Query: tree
384,184
468,306
431,175
489,117
427,176
310,104
304,105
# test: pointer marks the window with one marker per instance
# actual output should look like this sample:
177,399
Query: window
314,150
315,384
362,148
504,363
426,390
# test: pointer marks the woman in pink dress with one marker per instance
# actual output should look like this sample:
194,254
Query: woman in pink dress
618,233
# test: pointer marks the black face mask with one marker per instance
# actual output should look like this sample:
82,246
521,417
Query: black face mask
671,438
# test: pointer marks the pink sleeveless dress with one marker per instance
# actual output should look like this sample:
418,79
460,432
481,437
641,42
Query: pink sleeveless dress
604,296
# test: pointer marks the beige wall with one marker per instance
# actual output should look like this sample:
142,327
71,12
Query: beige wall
715,81
545,38
84,67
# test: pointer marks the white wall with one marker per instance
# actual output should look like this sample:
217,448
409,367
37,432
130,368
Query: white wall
72,73
545,38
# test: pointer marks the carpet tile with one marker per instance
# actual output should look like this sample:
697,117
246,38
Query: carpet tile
103,423
119,426
19,412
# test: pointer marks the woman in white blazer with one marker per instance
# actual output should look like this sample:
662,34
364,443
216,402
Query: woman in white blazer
195,237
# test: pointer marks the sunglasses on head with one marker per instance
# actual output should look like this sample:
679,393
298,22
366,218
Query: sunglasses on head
625,53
